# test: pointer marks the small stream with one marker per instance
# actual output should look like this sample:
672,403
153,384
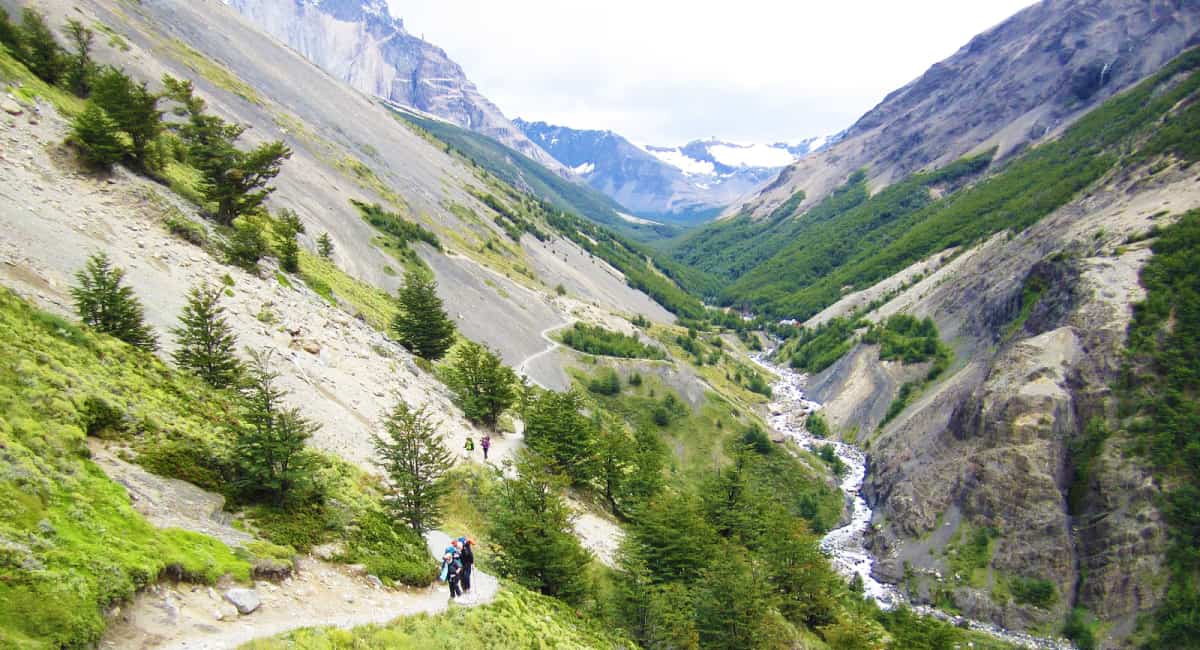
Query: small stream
846,545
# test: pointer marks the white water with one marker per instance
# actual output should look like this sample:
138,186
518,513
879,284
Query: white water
846,545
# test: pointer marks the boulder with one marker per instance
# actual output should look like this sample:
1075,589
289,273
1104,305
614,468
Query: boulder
245,600
10,107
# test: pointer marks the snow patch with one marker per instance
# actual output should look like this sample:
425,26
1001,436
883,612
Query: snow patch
756,155
682,162
584,169
632,219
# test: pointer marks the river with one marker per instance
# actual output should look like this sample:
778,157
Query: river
846,546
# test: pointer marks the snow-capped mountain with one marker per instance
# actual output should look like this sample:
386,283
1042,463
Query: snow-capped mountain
683,184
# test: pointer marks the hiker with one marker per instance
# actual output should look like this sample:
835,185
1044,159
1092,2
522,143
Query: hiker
466,555
486,443
451,573
468,447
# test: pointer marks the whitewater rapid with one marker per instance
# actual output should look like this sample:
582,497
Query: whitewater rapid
846,546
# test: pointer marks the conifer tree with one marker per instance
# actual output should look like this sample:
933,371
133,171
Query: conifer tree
206,342
132,106
106,305
288,249
556,428
485,387
40,52
273,462
416,460
532,535
10,35
421,324
79,67
94,134
325,246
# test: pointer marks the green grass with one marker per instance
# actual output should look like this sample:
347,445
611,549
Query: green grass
31,88
70,543
216,74
517,618
324,277
593,339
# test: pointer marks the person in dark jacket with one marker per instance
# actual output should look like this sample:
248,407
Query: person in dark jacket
453,570
486,443
466,555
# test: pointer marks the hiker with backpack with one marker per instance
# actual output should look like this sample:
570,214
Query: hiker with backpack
452,572
466,556
486,443
468,447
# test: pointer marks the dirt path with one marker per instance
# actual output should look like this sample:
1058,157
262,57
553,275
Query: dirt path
522,369
187,617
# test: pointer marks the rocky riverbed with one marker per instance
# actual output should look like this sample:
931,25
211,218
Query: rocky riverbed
846,546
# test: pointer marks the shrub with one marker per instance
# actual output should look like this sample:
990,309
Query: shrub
594,339
94,135
392,552
1034,591
605,383
247,244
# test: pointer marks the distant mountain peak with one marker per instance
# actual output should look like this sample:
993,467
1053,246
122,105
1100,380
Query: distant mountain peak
681,184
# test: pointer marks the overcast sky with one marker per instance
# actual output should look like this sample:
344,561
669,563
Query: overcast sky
669,71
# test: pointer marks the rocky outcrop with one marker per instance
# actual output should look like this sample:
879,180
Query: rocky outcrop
358,41
1014,437
1010,87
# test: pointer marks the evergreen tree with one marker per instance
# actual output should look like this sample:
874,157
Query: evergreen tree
247,245
650,454
416,460
270,441
325,246
733,609
131,106
288,248
799,572
94,134
79,65
10,34
617,455
556,428
206,342
106,305
40,52
484,385
532,535
421,325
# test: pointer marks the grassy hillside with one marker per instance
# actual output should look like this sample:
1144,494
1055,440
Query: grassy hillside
850,241
70,543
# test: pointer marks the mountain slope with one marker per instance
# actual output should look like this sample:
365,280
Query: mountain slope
359,42
683,185
1010,87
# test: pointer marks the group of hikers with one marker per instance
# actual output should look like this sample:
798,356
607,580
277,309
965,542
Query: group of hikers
457,563
485,443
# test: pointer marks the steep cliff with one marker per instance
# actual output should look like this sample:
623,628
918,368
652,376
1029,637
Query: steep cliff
359,42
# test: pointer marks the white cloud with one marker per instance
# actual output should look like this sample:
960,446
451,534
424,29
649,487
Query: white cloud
668,71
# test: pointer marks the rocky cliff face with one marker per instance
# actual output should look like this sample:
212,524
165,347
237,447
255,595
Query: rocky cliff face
675,184
1015,443
1010,87
359,42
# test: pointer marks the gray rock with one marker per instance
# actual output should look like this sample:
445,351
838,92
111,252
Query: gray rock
376,583
10,107
245,600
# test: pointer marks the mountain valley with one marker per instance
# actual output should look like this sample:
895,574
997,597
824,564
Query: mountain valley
928,383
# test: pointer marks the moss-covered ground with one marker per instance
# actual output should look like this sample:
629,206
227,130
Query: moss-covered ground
70,543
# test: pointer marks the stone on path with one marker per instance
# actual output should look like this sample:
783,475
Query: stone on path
245,600
10,107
